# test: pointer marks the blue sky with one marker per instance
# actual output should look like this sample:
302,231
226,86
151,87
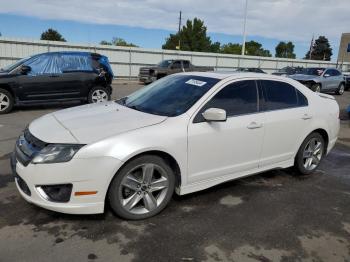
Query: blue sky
148,22
31,28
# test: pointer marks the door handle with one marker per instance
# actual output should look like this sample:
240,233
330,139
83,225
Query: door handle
306,117
254,125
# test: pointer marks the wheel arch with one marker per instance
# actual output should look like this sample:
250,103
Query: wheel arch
324,135
164,155
8,88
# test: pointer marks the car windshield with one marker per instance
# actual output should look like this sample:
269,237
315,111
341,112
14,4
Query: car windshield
169,96
165,63
10,67
312,71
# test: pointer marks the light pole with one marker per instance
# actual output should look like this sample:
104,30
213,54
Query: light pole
244,26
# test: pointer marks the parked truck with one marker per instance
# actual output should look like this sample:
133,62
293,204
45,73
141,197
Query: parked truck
167,67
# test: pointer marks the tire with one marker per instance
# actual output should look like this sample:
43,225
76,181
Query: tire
340,89
98,94
6,101
303,164
316,88
135,194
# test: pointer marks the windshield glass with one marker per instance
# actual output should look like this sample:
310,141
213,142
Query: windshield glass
165,63
312,71
15,65
169,96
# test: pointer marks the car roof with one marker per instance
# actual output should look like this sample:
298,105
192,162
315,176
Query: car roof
71,53
233,75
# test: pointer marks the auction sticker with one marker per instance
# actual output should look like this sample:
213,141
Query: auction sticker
196,82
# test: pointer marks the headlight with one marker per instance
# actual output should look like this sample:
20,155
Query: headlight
56,153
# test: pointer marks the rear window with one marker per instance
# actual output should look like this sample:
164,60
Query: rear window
279,95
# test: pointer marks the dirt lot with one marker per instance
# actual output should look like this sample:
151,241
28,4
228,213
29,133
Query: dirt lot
275,216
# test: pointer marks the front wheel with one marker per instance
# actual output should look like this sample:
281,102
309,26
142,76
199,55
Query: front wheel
6,101
340,89
142,188
310,154
99,94
316,88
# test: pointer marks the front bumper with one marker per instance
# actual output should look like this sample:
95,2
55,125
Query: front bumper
84,174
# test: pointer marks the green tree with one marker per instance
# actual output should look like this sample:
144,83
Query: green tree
117,41
193,37
255,49
321,50
231,48
285,50
52,35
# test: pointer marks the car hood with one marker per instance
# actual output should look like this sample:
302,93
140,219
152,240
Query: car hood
90,123
301,77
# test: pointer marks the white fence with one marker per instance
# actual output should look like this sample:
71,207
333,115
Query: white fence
126,61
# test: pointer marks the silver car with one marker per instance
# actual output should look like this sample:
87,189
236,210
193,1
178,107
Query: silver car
321,79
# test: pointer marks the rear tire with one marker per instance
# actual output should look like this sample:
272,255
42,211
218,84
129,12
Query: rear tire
99,94
310,154
340,89
142,188
6,101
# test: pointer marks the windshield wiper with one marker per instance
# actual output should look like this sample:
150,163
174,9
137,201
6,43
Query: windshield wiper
122,101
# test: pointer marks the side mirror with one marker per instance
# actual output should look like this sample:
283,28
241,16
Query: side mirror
326,75
25,69
214,115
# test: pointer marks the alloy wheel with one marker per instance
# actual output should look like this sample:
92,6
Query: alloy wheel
143,188
341,89
4,102
312,154
318,89
99,96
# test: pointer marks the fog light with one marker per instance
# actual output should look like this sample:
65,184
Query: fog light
56,193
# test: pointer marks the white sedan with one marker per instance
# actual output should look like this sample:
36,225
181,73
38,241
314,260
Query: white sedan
183,133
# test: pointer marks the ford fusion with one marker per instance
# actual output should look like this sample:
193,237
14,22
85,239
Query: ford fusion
183,133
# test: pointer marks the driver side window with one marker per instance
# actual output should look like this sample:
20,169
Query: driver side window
239,98
176,65
43,64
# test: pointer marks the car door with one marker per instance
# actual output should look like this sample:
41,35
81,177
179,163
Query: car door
329,79
287,117
217,149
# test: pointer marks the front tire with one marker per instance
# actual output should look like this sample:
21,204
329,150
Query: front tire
142,188
310,154
6,101
316,88
340,89
98,94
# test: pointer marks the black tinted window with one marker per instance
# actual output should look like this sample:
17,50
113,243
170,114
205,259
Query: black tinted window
302,100
237,99
186,64
176,64
279,95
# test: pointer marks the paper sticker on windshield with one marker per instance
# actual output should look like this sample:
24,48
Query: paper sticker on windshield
196,82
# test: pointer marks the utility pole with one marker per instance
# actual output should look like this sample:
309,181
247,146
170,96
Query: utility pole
178,32
244,26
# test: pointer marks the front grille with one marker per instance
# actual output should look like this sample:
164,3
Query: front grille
23,185
144,72
27,146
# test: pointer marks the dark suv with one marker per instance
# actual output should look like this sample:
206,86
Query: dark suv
55,77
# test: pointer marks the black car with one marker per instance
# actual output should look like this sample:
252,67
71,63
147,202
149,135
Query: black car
288,70
347,80
55,77
250,69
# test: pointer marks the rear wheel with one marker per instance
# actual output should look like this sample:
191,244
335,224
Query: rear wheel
142,188
6,101
310,154
340,89
99,94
